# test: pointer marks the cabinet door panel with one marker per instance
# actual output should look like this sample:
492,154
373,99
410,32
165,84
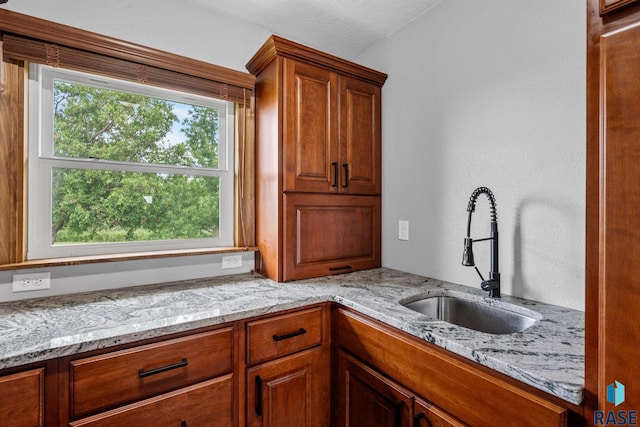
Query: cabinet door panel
619,214
360,140
22,399
367,399
289,392
310,129
330,234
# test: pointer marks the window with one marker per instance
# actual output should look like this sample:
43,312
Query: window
118,167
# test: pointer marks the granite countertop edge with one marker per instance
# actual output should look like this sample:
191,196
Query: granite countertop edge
548,356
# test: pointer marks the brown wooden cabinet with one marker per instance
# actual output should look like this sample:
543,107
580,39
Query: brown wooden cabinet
458,391
288,370
613,198
22,399
318,135
287,392
367,398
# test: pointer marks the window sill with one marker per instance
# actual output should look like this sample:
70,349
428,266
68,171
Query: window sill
59,262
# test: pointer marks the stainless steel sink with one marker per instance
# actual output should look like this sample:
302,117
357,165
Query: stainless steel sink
474,315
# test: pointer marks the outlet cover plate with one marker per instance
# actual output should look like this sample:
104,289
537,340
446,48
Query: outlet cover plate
231,261
26,282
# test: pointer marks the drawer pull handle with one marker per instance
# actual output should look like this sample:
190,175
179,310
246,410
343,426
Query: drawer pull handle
335,174
300,331
344,267
258,396
142,373
183,424
346,175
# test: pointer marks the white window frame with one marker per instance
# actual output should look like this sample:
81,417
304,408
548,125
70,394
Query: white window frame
41,162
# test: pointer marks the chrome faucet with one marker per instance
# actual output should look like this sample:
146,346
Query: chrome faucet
493,284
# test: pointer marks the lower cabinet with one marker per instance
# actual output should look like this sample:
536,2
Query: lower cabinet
22,399
457,391
288,370
366,398
286,392
316,366
206,404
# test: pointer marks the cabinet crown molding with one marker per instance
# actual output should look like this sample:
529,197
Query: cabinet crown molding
277,46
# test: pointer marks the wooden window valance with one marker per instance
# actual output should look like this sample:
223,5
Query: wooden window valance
32,39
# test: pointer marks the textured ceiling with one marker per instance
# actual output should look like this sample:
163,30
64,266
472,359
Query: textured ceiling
342,27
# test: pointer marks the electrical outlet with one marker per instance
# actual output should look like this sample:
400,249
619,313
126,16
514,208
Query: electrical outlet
232,261
403,230
25,282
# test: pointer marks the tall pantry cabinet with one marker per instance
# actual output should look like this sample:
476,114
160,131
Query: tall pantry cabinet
318,165
613,206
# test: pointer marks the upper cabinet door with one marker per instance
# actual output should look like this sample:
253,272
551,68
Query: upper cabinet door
360,140
310,135
607,6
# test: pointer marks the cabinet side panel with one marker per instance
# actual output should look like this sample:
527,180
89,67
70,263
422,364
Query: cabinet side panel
268,167
619,214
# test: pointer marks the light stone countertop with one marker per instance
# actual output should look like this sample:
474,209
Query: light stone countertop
549,355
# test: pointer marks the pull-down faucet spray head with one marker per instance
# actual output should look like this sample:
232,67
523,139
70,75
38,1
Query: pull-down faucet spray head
493,284
467,255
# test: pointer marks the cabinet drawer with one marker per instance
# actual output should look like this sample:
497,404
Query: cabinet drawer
282,335
111,379
205,404
330,234
22,399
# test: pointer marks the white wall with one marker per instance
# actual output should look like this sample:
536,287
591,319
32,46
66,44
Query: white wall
185,30
177,27
488,93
